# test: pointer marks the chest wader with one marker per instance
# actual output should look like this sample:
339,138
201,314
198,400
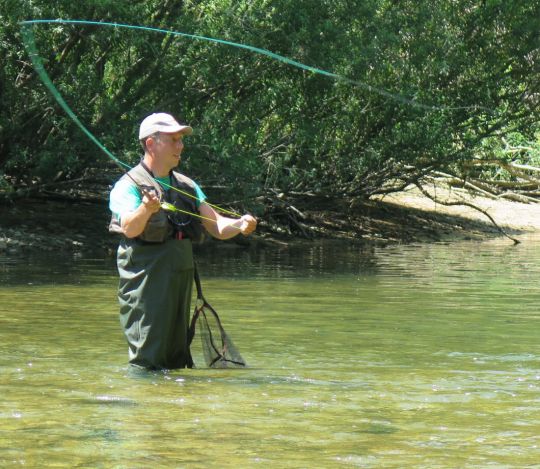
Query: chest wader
155,295
156,277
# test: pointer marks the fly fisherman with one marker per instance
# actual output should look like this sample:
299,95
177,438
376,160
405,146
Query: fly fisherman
154,258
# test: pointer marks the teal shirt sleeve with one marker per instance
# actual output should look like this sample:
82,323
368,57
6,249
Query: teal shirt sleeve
124,197
201,196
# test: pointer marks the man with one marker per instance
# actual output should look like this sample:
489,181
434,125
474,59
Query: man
154,258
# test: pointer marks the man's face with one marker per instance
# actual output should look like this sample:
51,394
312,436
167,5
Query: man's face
169,148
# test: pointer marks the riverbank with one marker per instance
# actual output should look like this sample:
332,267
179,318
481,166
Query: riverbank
49,224
515,217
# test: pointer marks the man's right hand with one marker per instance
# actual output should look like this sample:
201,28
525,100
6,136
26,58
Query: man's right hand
151,201
133,223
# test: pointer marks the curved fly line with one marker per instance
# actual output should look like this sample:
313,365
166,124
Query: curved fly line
30,44
257,50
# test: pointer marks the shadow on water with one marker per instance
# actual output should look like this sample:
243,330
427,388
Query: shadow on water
307,261
37,268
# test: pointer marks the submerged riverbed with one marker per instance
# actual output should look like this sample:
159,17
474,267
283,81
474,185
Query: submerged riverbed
404,356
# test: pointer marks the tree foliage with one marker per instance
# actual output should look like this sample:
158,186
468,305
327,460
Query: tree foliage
430,85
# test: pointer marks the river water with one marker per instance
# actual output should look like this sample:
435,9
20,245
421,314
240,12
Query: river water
404,356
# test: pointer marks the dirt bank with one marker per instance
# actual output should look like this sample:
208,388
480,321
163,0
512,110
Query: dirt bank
49,224
519,218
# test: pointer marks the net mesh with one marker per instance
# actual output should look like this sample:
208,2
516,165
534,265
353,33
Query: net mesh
218,348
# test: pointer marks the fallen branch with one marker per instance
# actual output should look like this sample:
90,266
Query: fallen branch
514,169
517,197
453,181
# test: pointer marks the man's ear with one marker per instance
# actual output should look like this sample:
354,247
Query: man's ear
151,142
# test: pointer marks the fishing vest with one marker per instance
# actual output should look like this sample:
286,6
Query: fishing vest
164,225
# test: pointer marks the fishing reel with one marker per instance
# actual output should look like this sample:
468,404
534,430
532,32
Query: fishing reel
179,218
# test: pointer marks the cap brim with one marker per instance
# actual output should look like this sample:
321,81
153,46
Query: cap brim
186,129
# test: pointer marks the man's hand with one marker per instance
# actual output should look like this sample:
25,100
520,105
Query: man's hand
249,224
133,223
151,201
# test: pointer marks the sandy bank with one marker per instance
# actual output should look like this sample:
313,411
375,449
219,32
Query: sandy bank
511,215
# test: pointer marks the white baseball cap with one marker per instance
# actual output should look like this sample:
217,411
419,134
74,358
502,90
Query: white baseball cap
161,122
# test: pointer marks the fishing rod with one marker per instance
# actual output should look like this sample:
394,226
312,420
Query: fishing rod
30,44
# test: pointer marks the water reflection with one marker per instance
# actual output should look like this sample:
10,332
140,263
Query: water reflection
405,356
53,268
308,260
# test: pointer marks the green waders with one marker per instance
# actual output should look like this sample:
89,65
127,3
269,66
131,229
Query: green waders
155,296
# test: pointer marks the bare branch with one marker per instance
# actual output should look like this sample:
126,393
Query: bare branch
465,204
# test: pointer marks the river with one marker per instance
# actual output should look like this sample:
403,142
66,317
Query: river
404,356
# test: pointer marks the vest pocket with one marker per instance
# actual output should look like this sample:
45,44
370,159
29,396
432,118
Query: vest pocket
158,228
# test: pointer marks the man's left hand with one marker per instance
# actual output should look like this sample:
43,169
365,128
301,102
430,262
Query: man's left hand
249,224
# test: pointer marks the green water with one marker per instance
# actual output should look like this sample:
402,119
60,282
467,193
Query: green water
417,356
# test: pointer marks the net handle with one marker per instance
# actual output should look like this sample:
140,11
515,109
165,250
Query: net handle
198,283
197,310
